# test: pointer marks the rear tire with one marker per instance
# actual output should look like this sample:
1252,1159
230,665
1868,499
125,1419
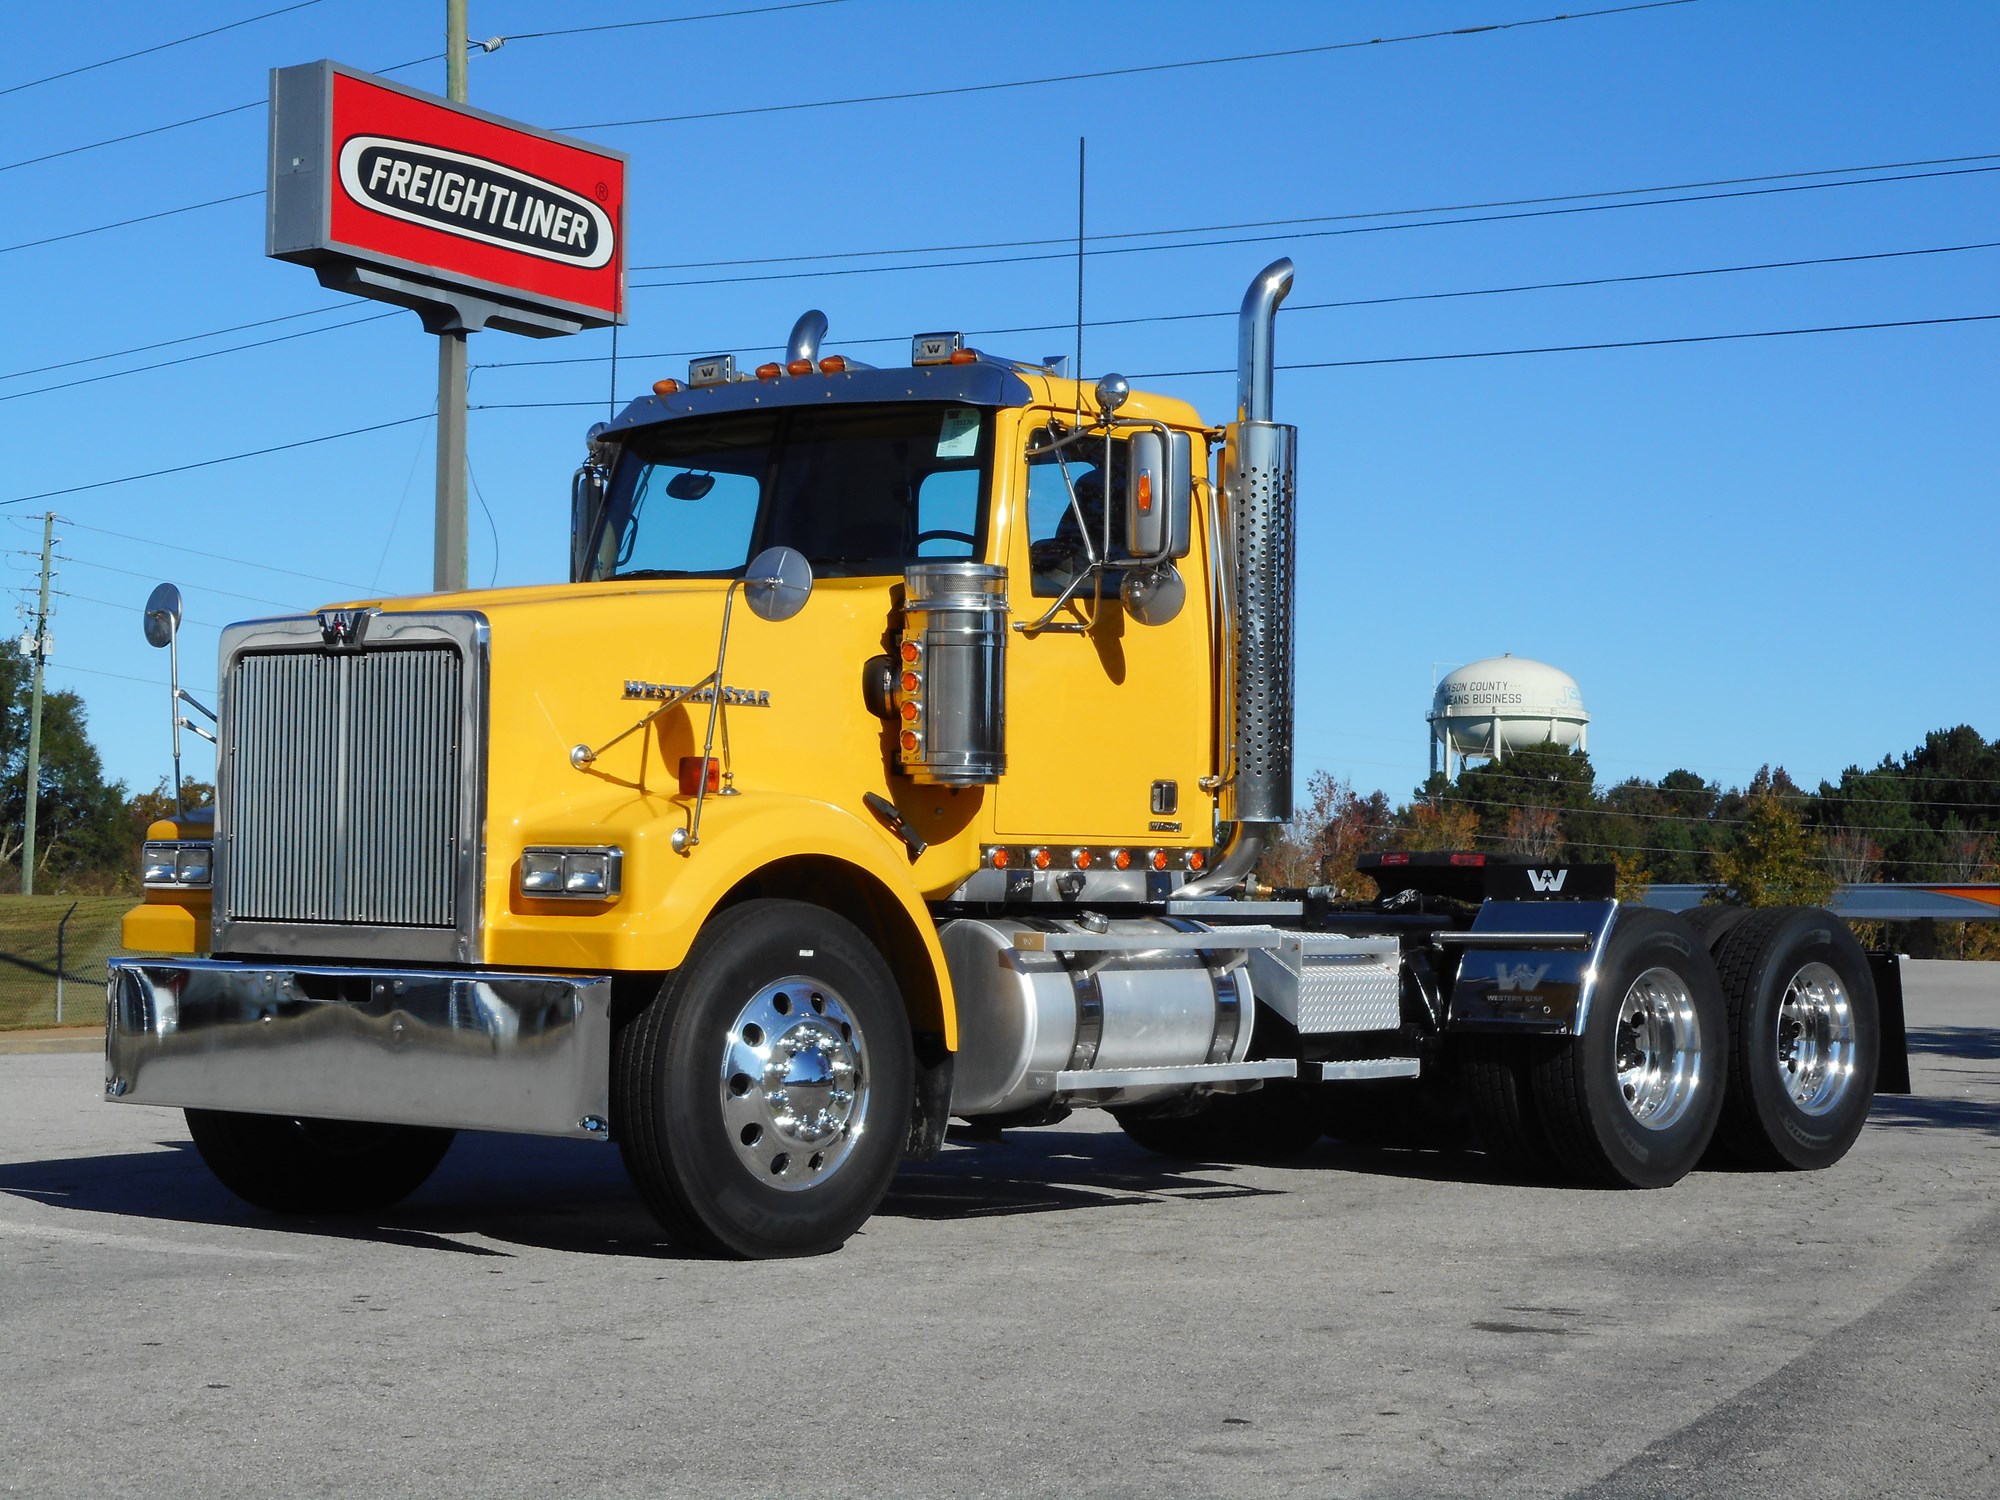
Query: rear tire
763,1098
300,1166
1804,1039
1633,1101
1714,923
1499,1096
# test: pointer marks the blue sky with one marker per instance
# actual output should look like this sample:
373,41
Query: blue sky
1768,550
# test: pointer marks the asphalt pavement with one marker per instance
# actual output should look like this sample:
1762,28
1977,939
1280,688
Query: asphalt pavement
1053,1313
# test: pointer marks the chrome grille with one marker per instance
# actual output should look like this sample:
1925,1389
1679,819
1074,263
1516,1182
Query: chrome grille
341,794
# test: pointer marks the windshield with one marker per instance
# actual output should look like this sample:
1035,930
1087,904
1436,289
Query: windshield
859,490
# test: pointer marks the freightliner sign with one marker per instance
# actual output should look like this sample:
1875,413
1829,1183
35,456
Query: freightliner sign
397,194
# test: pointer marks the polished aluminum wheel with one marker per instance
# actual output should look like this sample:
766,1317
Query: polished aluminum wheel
1659,1048
794,1083
1816,1044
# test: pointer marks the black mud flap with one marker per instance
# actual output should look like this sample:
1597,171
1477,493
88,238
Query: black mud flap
1892,1071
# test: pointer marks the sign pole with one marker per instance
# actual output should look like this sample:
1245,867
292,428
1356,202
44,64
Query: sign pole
448,562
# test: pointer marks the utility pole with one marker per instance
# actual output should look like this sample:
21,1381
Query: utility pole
39,643
448,560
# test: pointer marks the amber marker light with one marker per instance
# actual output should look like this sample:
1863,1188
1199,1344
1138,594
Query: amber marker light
799,367
911,682
770,372
910,712
965,356
1157,859
911,651
910,740
1145,494
1001,859
1080,858
1196,860
1121,859
833,364
1040,858
665,387
691,777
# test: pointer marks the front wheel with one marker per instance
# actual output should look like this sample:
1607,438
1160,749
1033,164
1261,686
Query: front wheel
762,1099
1633,1101
298,1166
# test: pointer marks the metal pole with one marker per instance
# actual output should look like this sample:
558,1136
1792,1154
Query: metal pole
61,928
41,644
448,559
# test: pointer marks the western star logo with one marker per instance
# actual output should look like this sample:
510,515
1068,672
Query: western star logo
733,696
1519,977
475,199
1547,881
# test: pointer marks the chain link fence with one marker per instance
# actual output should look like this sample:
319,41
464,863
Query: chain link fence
52,954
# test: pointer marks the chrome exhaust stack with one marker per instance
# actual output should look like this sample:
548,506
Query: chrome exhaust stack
1259,465
807,335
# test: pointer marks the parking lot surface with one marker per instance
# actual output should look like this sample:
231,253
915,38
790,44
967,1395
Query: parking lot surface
1053,1313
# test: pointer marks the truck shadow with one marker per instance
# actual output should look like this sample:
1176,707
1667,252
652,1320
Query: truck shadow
1974,1043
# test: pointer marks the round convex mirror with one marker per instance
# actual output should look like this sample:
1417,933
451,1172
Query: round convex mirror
163,615
1155,596
777,583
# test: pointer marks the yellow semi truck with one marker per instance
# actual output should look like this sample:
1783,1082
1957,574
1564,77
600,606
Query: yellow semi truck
900,749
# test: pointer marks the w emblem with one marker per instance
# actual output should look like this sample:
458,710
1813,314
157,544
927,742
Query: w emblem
1548,882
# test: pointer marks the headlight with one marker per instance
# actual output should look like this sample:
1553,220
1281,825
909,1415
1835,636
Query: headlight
179,864
588,874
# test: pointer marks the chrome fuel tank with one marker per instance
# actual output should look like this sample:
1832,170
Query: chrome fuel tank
1047,1008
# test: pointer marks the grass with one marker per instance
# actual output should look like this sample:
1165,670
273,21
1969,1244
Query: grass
28,957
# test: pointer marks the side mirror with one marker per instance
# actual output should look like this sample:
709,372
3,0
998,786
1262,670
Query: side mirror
1158,495
163,615
586,504
777,583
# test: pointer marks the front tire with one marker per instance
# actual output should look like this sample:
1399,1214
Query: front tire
1633,1101
1805,1039
300,1166
762,1099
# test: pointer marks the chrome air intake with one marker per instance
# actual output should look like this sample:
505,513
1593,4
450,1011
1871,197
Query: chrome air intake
951,661
1258,488
807,335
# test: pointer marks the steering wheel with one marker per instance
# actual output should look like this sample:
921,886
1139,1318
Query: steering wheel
946,536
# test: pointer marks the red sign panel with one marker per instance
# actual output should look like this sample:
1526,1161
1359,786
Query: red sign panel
372,174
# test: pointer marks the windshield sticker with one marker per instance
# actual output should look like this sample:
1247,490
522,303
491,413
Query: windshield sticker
959,437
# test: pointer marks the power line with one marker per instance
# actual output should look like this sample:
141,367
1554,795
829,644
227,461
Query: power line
136,609
712,15
214,114
1317,234
282,338
181,41
165,213
1412,359
1386,213
186,338
1351,302
1201,62
64,666
1691,338
1129,72
206,588
241,562
209,463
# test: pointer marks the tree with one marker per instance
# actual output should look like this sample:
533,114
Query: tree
80,831
1320,846
1777,861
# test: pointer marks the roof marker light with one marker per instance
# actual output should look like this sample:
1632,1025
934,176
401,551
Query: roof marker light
666,387
770,372
799,367
833,364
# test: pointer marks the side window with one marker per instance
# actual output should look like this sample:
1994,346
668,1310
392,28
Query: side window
948,514
1056,550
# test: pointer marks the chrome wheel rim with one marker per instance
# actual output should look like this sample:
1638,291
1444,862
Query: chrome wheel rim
1659,1049
1815,1052
794,1083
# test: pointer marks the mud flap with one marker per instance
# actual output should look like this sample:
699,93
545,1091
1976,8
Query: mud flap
1892,1070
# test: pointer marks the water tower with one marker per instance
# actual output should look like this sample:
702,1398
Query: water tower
1503,705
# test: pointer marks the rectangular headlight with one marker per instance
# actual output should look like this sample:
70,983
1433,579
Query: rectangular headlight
581,874
177,864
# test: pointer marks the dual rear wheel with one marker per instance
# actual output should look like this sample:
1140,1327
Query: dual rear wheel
1763,1053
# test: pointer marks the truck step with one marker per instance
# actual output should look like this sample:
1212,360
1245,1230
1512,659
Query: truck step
1068,1082
1369,1067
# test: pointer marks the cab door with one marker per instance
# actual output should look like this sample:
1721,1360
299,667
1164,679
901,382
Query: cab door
1108,721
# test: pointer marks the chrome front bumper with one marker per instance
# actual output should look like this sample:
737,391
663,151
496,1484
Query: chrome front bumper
463,1048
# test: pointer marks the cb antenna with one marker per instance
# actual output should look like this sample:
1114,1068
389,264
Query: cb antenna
1076,371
